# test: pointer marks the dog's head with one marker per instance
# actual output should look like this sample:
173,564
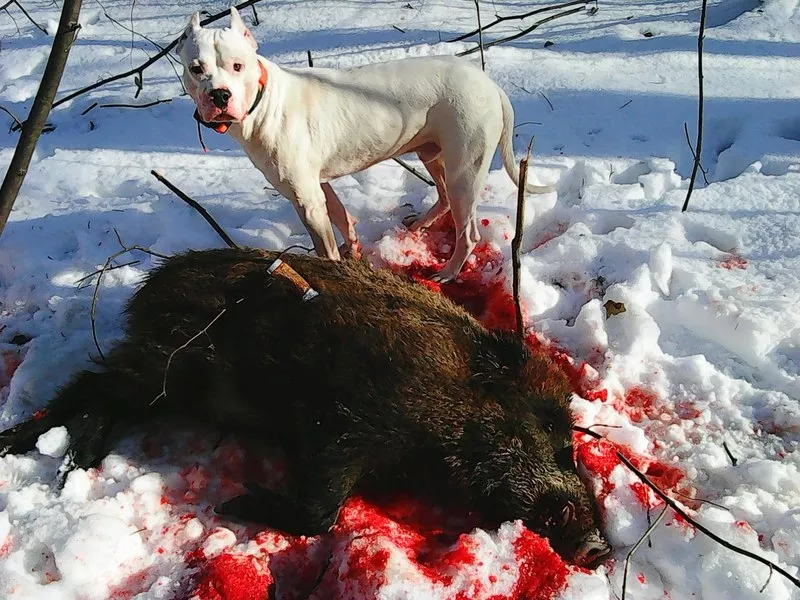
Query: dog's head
221,70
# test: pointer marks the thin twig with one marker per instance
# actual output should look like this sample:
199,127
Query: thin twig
516,243
153,59
524,32
518,17
205,329
698,146
310,60
398,29
683,514
547,100
413,171
17,122
703,172
147,39
195,205
122,105
105,268
644,537
99,271
480,34
24,12
734,460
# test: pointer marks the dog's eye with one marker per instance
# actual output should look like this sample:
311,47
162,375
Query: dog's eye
237,67
196,69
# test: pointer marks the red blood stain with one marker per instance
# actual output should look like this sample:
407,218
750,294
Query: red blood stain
485,222
39,414
733,261
639,403
233,577
600,458
542,573
11,362
642,579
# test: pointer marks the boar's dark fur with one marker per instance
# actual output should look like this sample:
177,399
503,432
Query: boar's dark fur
377,377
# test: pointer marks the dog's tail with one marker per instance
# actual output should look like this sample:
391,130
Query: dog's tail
507,148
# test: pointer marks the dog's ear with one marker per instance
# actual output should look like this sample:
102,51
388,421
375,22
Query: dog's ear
237,24
191,27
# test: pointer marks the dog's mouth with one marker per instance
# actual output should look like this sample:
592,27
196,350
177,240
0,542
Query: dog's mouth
213,114
223,117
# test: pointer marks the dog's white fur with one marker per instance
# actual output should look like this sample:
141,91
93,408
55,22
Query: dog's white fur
313,125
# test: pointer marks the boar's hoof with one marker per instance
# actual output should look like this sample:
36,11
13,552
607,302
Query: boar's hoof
260,505
89,433
275,510
592,551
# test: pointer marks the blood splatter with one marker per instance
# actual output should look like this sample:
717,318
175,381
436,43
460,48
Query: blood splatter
733,261
233,577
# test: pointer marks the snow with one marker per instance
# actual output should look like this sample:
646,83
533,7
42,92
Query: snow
704,357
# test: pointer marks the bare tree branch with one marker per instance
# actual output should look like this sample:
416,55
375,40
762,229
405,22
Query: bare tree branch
32,128
698,146
195,205
24,12
480,34
677,508
524,32
17,122
519,17
645,536
106,267
516,243
138,71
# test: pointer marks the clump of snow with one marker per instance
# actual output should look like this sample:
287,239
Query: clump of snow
681,330
53,442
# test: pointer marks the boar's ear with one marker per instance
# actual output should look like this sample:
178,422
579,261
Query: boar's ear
499,358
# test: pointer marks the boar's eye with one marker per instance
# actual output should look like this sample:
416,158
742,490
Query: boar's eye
549,426
196,69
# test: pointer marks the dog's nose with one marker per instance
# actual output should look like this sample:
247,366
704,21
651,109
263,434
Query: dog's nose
220,97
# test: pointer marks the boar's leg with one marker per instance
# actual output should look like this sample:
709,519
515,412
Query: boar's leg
312,505
87,407
73,399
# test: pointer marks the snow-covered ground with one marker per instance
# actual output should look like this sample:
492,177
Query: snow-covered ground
705,356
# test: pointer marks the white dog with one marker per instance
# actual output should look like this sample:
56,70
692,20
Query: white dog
304,127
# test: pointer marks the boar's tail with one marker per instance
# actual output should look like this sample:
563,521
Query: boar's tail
507,147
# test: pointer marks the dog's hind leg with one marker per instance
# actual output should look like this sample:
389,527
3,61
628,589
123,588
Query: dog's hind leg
435,166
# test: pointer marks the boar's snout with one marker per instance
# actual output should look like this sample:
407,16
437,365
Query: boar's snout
592,551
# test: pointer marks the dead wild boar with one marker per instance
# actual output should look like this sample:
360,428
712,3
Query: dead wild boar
374,377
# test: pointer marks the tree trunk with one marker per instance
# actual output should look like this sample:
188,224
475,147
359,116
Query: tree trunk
32,127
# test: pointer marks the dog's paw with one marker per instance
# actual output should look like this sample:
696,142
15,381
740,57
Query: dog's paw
442,277
409,220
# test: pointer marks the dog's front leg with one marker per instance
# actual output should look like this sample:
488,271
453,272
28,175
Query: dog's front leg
309,201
